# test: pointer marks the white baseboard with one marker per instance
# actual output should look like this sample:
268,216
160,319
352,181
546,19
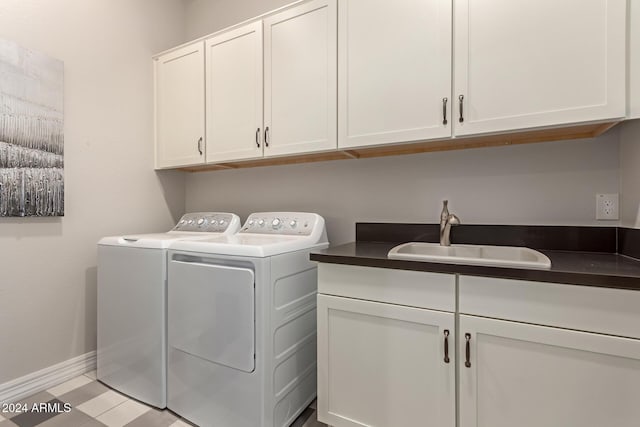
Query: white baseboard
43,379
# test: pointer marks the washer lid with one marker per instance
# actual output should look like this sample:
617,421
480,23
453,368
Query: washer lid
154,240
192,226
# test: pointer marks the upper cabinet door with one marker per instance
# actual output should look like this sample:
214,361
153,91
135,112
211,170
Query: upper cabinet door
234,94
530,63
180,107
634,59
394,71
300,79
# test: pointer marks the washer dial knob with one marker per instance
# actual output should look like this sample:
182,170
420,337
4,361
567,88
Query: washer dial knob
261,222
200,221
221,222
276,223
293,223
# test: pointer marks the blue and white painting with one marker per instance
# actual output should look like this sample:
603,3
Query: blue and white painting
31,133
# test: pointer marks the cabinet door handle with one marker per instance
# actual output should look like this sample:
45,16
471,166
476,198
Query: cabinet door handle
444,112
266,136
460,104
258,137
446,346
467,351
200,146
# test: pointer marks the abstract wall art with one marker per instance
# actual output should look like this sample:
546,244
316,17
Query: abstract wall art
31,133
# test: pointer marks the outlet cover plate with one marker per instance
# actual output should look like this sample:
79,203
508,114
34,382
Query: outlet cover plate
607,207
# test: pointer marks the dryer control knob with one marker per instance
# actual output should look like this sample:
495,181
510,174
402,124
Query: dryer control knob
261,222
201,221
251,222
190,221
221,222
276,223
293,223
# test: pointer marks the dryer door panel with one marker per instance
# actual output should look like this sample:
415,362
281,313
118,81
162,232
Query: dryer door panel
211,313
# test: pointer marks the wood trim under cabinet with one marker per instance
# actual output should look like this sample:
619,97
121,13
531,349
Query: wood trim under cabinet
524,137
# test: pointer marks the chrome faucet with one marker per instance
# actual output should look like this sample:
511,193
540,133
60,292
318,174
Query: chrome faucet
446,221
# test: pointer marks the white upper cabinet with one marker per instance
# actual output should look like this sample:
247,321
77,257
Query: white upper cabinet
394,71
521,64
328,75
634,59
234,94
300,79
180,129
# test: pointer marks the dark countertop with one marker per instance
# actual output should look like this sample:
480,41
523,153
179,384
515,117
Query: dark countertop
567,267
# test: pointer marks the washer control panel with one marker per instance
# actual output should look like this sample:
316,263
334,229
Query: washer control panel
288,223
209,222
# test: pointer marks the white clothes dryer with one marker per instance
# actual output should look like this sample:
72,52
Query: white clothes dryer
242,323
132,305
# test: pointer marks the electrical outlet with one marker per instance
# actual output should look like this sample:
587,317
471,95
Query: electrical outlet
607,206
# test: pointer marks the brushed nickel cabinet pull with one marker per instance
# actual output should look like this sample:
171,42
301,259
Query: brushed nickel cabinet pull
258,137
266,136
444,110
200,146
467,351
446,346
460,104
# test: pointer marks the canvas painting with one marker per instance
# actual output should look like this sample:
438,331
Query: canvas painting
31,133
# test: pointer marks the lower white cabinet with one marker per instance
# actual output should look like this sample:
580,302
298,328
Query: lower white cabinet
517,374
384,364
529,354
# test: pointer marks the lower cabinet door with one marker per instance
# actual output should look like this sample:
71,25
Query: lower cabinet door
384,365
515,374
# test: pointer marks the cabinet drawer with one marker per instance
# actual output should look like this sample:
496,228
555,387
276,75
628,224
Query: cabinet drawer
411,288
585,308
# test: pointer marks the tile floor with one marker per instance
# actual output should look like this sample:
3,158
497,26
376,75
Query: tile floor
91,403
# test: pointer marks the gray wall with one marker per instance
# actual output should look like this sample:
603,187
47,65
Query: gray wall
548,183
207,16
48,266
630,174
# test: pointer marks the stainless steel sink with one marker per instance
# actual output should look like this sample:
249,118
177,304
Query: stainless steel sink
499,256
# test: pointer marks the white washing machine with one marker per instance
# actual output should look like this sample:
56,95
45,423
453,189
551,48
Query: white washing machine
132,305
242,323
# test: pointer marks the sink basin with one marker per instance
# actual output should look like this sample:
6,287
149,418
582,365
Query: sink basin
498,256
